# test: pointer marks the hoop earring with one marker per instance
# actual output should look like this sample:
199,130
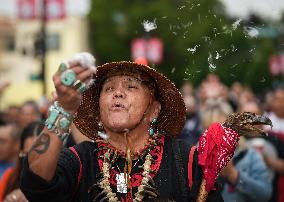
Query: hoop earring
151,129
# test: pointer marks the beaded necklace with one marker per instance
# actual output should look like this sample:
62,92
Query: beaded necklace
105,184
107,162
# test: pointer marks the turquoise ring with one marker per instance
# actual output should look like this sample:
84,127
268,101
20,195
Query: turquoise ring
82,88
62,67
68,77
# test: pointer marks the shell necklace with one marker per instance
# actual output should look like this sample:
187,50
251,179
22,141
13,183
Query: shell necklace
105,184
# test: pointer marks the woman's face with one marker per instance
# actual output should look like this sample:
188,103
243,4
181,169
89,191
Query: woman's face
123,102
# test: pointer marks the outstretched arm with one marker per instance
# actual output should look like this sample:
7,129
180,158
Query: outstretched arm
44,154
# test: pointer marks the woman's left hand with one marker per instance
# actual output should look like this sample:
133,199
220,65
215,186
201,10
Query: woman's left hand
15,196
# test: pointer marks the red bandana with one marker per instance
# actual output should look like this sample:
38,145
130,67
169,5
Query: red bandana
216,147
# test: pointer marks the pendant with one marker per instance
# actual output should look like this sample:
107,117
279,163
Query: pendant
121,184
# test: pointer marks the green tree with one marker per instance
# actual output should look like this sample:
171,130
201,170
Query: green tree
198,38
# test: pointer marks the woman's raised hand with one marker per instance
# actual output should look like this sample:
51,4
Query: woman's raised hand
72,79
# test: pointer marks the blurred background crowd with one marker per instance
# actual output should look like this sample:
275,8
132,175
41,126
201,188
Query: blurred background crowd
256,172
224,57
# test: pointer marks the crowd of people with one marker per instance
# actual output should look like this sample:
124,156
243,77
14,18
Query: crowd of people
255,173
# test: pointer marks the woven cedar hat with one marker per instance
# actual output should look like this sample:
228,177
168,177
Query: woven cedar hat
172,115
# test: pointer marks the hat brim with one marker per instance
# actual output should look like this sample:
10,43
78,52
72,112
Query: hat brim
172,115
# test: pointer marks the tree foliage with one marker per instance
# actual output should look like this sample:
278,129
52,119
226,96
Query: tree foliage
198,38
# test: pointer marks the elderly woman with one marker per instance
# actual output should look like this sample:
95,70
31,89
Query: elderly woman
131,112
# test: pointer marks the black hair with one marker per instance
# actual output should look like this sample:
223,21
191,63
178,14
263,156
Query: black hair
2,119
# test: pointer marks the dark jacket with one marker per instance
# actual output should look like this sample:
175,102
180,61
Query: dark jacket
171,179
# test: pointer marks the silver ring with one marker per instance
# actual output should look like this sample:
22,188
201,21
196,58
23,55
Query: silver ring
77,84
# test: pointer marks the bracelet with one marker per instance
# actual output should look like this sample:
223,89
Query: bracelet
61,110
58,121
62,135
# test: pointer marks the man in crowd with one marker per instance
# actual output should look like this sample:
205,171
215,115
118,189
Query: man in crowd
277,112
12,114
192,128
29,113
9,146
277,138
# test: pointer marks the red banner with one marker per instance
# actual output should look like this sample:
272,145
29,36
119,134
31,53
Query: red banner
26,9
55,9
138,48
31,9
276,64
155,50
151,49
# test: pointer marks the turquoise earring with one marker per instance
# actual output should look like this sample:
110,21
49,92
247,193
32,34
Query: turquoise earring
151,129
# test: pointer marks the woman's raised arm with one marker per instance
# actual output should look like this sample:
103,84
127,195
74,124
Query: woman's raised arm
69,84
